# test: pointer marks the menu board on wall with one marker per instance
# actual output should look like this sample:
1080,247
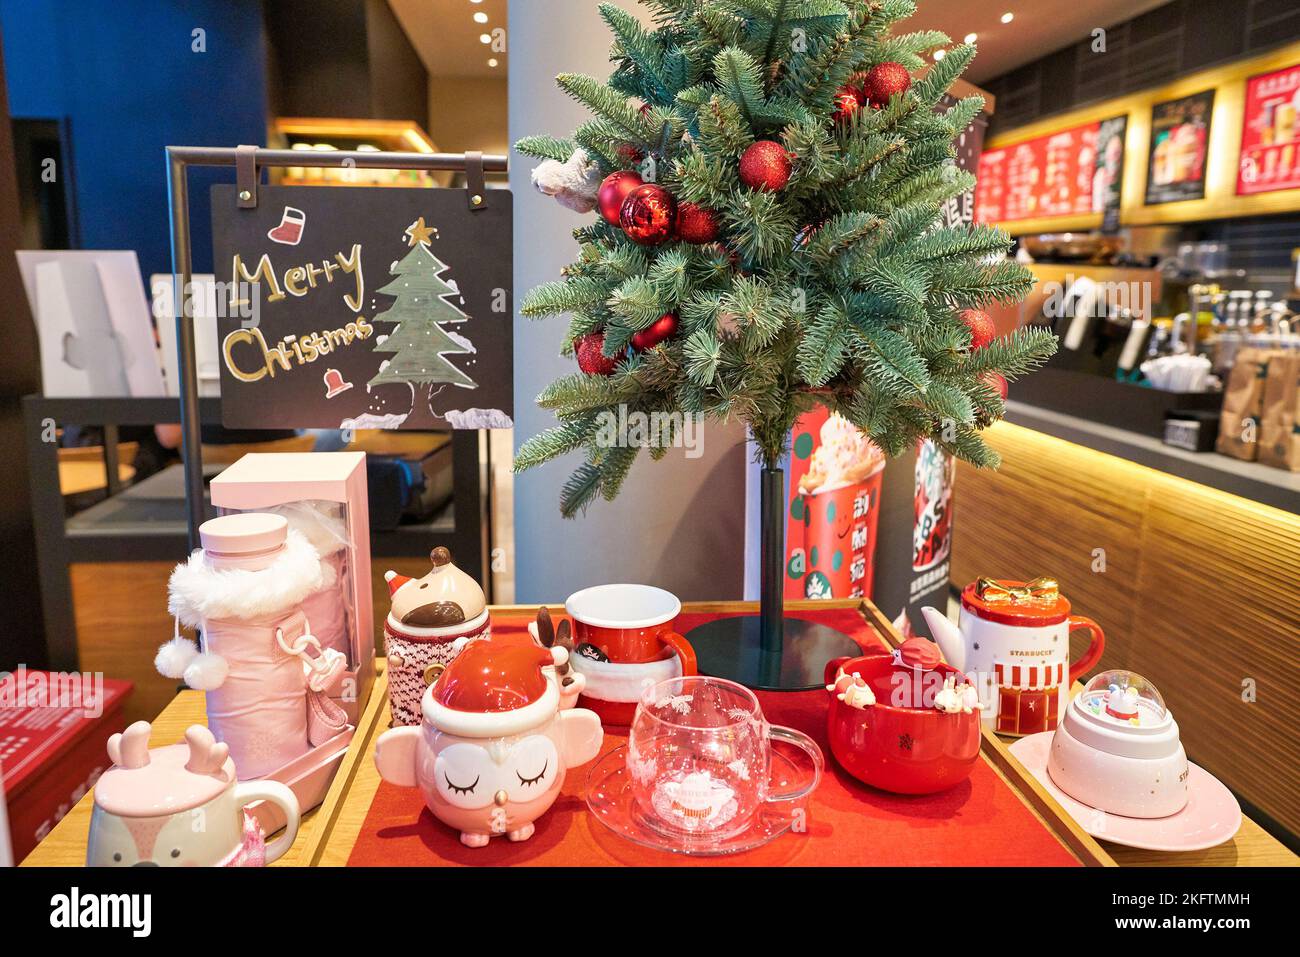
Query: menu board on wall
1180,136
1047,176
364,308
1108,180
1270,136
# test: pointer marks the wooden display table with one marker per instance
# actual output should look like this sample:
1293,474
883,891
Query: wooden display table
327,835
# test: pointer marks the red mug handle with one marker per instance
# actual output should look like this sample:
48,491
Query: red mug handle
684,651
832,669
1093,654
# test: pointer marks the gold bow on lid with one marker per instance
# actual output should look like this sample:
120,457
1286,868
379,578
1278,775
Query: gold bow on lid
1038,590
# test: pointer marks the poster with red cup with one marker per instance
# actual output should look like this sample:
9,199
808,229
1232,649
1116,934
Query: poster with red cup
932,506
835,484
1270,136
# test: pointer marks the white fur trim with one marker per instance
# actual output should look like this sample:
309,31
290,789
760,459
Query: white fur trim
622,682
198,592
174,657
207,672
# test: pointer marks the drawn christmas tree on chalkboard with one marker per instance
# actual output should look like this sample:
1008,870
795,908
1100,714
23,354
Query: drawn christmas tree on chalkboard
419,343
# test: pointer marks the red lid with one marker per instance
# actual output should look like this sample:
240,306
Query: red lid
494,676
1038,602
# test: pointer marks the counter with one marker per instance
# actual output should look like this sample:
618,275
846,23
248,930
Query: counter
1190,564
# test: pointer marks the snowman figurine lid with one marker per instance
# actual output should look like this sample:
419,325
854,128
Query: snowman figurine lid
443,598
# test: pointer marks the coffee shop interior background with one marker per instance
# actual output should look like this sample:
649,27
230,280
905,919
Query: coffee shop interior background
1169,236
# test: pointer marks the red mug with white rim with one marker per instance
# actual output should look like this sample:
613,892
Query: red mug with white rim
630,624
635,628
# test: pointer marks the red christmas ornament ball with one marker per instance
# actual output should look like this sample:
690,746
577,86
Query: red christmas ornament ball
665,327
995,381
980,324
847,102
591,359
649,214
885,80
613,190
765,165
629,153
696,224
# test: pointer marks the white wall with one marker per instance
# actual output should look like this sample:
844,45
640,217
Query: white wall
679,523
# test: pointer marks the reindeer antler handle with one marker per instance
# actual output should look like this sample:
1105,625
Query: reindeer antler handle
130,748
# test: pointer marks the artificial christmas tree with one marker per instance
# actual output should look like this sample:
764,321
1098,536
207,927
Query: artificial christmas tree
833,279
419,342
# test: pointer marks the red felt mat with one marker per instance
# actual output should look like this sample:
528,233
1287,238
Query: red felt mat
979,823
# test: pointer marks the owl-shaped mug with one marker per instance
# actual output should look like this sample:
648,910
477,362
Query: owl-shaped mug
494,744
181,806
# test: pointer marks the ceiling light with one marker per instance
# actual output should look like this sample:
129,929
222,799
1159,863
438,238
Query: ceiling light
475,1
1008,17
493,61
970,38
940,54
480,17
484,38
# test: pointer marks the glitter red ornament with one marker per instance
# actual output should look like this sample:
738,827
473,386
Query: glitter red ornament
649,215
885,80
995,381
629,153
980,324
591,357
613,190
765,165
665,327
695,224
847,102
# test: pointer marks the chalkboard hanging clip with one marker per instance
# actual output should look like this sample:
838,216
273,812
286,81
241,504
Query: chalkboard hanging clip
246,176
475,185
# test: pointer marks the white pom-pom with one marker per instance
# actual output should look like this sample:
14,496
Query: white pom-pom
560,655
206,672
174,657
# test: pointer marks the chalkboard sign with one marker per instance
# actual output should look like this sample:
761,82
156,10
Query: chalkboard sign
364,308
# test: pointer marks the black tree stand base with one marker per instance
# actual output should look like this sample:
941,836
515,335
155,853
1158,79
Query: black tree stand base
732,648
768,651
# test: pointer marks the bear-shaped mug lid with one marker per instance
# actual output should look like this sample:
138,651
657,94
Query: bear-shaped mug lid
163,781
444,598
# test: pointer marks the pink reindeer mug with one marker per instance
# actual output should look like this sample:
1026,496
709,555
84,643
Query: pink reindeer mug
180,806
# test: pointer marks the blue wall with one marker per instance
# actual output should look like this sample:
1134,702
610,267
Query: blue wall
123,74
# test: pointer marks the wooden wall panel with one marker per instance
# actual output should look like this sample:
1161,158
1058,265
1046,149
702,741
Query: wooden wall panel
1201,592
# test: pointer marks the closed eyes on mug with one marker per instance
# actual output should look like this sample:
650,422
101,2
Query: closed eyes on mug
458,789
527,782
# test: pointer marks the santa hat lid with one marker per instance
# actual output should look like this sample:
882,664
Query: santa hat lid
395,581
493,688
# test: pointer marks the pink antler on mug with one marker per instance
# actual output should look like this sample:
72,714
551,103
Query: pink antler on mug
206,755
130,748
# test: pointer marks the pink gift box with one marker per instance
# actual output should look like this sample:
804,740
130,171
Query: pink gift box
323,495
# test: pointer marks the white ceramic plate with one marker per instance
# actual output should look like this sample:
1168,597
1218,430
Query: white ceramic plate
1212,814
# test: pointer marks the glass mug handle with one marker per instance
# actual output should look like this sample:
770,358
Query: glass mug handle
776,732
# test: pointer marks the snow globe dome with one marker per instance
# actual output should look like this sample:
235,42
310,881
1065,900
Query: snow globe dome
1125,697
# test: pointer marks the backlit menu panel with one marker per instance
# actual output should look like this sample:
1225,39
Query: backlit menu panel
1043,177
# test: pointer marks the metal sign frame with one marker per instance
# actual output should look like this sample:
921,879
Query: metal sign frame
249,161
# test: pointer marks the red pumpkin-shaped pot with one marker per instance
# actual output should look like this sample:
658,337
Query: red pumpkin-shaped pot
885,729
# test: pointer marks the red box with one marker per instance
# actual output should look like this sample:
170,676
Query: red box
54,731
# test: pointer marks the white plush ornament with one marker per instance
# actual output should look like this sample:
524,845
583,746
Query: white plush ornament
574,183
207,672
174,657
181,659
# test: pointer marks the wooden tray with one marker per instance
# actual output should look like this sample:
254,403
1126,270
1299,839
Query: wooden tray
341,816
